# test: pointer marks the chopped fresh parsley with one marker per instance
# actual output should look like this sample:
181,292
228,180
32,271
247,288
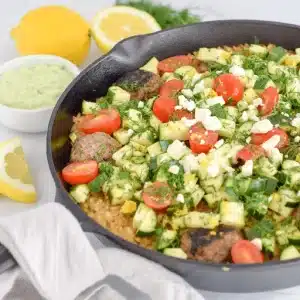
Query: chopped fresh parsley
257,205
276,54
218,111
262,229
106,171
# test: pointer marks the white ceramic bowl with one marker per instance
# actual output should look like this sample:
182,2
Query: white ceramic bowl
31,120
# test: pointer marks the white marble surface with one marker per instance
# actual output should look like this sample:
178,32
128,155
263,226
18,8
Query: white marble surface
34,144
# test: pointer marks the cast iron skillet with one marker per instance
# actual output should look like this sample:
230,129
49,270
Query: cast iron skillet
129,55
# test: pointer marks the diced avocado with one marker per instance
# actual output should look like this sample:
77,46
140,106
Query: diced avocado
182,71
128,208
249,95
118,96
89,107
154,122
145,138
166,239
213,55
174,130
175,252
122,136
123,153
228,128
258,50
80,193
151,65
154,149
232,214
119,194
196,219
73,137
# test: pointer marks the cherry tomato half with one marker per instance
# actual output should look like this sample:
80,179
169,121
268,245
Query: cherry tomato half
170,64
80,172
244,252
229,87
158,195
107,120
163,108
181,113
270,98
171,88
250,152
260,138
201,140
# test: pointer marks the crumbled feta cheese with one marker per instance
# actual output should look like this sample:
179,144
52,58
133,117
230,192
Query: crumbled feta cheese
199,87
130,131
296,122
141,104
257,102
213,170
297,139
244,116
298,115
177,149
248,139
187,93
178,107
190,163
215,100
180,198
219,143
275,155
258,243
195,79
251,106
237,71
201,157
188,122
247,168
271,143
262,126
185,103
202,113
212,123
174,169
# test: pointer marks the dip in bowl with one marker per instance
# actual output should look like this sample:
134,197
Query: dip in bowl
29,89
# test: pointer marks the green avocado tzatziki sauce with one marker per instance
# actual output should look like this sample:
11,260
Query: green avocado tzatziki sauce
34,86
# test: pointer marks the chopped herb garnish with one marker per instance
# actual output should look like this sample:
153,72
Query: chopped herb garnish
106,171
261,229
261,83
218,111
276,54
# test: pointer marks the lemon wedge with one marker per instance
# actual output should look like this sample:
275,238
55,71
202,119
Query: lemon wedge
116,23
15,179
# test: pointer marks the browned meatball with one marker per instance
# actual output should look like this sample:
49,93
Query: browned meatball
141,84
212,246
98,146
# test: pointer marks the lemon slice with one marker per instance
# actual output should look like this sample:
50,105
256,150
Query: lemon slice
15,179
116,23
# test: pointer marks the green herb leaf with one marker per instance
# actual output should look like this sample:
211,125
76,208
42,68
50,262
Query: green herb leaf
257,205
218,111
261,83
276,53
262,229
106,171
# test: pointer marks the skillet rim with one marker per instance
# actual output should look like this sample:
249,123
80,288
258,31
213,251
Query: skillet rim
105,232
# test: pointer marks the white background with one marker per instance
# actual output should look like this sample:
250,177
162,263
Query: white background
34,144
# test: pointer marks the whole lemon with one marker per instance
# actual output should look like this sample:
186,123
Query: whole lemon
53,30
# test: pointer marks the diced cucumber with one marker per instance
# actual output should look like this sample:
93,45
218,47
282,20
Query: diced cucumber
118,96
154,122
290,252
89,107
138,195
144,220
232,214
166,239
279,206
174,130
294,239
150,102
212,185
145,138
168,76
237,60
214,199
123,153
73,137
162,158
289,197
249,95
182,71
197,195
135,120
80,193
138,147
139,170
175,252
228,128
161,175
242,105
190,182
289,164
213,55
178,223
196,219
151,65
258,50
243,131
122,136
154,149
118,195
232,112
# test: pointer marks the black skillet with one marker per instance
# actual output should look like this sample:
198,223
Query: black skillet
129,55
